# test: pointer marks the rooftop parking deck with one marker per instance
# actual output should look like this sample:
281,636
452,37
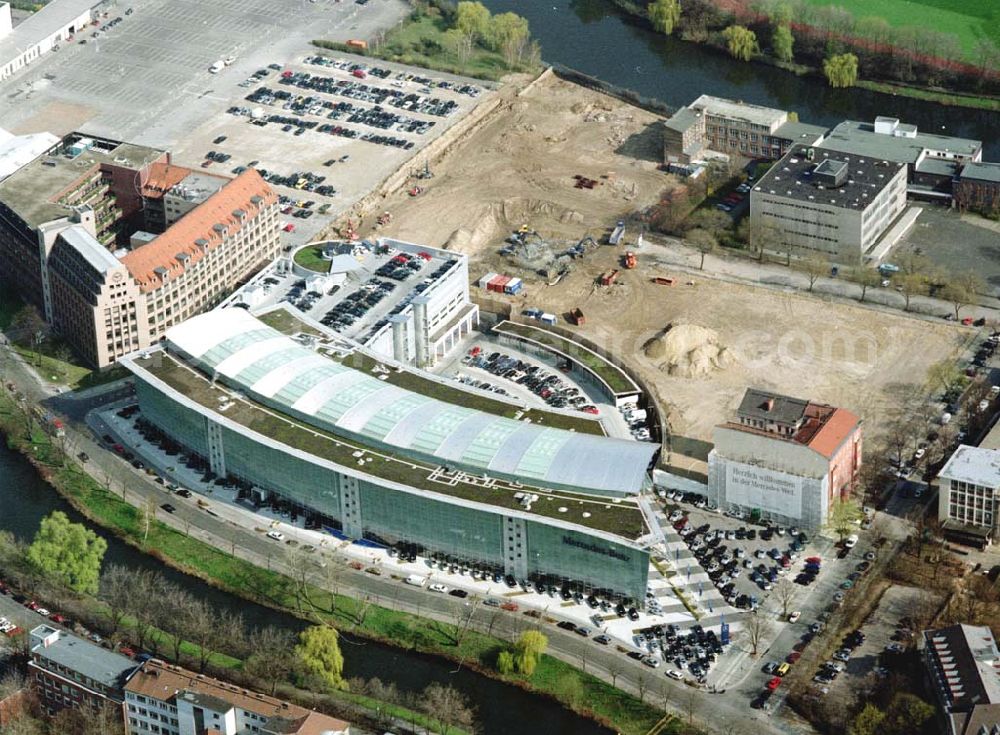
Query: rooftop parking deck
622,518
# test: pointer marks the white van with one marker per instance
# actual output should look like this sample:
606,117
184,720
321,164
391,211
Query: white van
416,580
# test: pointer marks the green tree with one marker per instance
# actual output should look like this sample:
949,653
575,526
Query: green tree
509,34
841,70
319,653
906,714
843,516
741,42
528,649
911,284
664,15
473,20
869,721
783,43
505,663
945,375
69,553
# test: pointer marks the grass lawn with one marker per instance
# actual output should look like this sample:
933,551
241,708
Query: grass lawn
579,691
969,20
312,258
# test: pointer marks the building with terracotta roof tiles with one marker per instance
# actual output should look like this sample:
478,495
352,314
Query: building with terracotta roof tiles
784,459
115,244
169,700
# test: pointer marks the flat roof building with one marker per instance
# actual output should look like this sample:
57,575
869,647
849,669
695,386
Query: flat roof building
784,459
827,201
169,700
715,125
313,424
114,244
56,21
963,667
978,188
69,672
969,493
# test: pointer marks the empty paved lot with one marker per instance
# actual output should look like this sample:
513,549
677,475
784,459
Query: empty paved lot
147,79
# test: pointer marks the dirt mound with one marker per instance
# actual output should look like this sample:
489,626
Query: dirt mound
689,351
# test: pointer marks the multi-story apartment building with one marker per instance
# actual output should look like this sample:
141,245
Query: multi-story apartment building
828,202
168,700
115,244
968,495
69,672
963,669
784,459
716,125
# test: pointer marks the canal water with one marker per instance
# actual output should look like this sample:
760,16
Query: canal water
501,709
594,37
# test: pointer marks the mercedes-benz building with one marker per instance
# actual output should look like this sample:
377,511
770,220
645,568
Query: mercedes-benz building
375,451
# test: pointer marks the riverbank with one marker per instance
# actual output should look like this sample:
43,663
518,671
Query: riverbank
580,692
637,13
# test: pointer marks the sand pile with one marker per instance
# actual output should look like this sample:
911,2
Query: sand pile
689,351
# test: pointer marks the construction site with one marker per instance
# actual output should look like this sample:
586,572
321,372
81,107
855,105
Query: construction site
541,188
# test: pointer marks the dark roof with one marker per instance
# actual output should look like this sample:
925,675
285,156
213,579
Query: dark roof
89,660
762,404
982,171
793,177
963,661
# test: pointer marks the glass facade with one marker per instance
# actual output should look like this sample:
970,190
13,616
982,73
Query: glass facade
475,536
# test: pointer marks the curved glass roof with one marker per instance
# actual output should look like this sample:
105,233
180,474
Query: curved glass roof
235,347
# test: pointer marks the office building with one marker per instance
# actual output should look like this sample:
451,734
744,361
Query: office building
114,244
968,487
932,161
710,126
784,459
829,202
69,672
368,452
963,668
17,151
54,23
167,700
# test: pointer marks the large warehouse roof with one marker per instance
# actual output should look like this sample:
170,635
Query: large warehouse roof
267,365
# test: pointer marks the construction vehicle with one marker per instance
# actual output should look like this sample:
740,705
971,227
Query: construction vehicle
349,232
383,219
415,191
617,234
609,277
425,172
576,317
628,260
663,281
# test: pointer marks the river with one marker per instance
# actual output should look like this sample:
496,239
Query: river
501,709
596,38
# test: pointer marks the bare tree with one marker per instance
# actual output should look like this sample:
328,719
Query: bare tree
448,707
144,606
211,631
641,683
691,705
756,629
814,266
270,656
116,589
784,593
176,610
614,669
362,606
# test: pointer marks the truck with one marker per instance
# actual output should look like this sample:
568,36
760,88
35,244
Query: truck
576,316
547,319
617,234
416,580
629,260
217,67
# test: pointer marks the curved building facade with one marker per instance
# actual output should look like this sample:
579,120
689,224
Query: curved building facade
370,460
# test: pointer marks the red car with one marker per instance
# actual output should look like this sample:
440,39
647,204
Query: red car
57,618
814,560
32,605
509,606
590,409
289,227
126,651
793,657
774,683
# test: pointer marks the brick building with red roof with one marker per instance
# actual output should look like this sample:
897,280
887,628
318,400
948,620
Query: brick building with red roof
785,459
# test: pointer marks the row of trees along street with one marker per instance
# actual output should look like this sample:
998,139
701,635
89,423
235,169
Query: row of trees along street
62,569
